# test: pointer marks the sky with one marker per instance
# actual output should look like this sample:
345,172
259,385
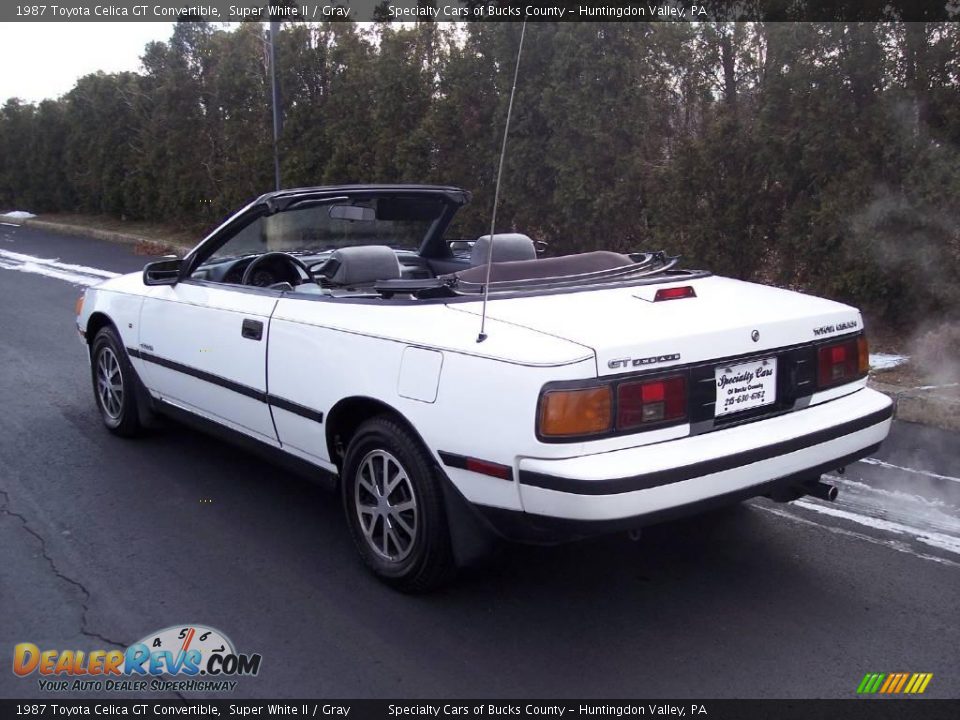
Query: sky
44,59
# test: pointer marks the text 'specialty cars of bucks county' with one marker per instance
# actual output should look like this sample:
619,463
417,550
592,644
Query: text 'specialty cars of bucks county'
338,328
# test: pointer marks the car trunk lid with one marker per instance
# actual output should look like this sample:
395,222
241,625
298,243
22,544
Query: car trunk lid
630,330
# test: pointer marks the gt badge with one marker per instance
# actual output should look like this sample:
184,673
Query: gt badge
638,362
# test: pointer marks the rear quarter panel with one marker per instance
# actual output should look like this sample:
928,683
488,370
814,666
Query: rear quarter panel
482,402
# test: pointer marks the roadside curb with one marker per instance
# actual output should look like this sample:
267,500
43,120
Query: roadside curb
924,405
99,234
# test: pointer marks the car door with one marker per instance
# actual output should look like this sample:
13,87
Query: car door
204,347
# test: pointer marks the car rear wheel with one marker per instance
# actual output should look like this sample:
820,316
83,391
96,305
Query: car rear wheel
113,384
394,507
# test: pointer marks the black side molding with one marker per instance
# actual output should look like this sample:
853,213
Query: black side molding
646,481
199,374
245,390
295,408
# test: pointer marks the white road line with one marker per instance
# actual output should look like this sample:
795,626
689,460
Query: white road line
891,466
9,224
77,274
928,537
891,544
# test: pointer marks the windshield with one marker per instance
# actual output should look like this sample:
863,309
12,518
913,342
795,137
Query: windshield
321,225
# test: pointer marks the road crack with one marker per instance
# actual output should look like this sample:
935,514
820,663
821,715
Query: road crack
85,603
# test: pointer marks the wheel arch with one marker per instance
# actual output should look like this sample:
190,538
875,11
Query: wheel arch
348,414
472,537
95,323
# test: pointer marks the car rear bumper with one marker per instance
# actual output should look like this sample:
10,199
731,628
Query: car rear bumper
645,484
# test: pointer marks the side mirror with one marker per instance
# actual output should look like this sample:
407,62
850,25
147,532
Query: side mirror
163,272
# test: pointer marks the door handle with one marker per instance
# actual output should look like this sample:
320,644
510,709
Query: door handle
252,329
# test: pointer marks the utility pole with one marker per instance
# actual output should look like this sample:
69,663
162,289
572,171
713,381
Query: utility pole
275,92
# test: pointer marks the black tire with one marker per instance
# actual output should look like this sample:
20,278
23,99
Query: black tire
118,409
426,561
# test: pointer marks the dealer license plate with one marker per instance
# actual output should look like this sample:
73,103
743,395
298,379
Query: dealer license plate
745,386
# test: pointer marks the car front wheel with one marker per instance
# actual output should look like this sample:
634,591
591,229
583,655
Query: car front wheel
113,384
394,507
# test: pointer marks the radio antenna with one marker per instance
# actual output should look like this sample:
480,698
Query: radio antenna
496,190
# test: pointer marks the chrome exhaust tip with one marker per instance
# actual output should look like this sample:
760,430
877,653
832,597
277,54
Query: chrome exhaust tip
822,490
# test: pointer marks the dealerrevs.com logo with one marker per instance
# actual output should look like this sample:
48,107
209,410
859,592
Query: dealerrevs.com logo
181,658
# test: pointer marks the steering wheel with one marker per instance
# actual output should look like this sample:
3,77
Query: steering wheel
276,255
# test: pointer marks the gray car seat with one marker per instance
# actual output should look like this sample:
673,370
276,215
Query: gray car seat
361,265
507,247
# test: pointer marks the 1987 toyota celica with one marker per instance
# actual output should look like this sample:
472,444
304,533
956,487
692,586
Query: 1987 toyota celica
338,328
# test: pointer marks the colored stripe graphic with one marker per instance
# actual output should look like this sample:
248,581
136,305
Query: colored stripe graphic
901,681
894,683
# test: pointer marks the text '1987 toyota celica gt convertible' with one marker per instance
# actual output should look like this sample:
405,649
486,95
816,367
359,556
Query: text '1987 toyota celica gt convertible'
338,328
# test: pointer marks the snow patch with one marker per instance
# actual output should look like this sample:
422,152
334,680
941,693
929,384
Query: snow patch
886,361
888,543
934,539
891,466
18,215
77,274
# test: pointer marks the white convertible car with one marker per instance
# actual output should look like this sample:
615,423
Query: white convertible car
338,328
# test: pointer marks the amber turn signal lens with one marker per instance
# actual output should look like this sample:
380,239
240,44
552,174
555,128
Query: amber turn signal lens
863,355
576,412
79,305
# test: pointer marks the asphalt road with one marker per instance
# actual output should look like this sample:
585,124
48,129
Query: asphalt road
103,540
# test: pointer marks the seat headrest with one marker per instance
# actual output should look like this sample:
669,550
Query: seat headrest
553,267
506,248
362,265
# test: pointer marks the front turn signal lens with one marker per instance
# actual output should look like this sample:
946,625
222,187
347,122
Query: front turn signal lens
571,413
78,307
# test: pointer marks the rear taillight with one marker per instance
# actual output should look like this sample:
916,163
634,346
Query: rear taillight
653,401
863,352
839,363
585,412
674,293
574,413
